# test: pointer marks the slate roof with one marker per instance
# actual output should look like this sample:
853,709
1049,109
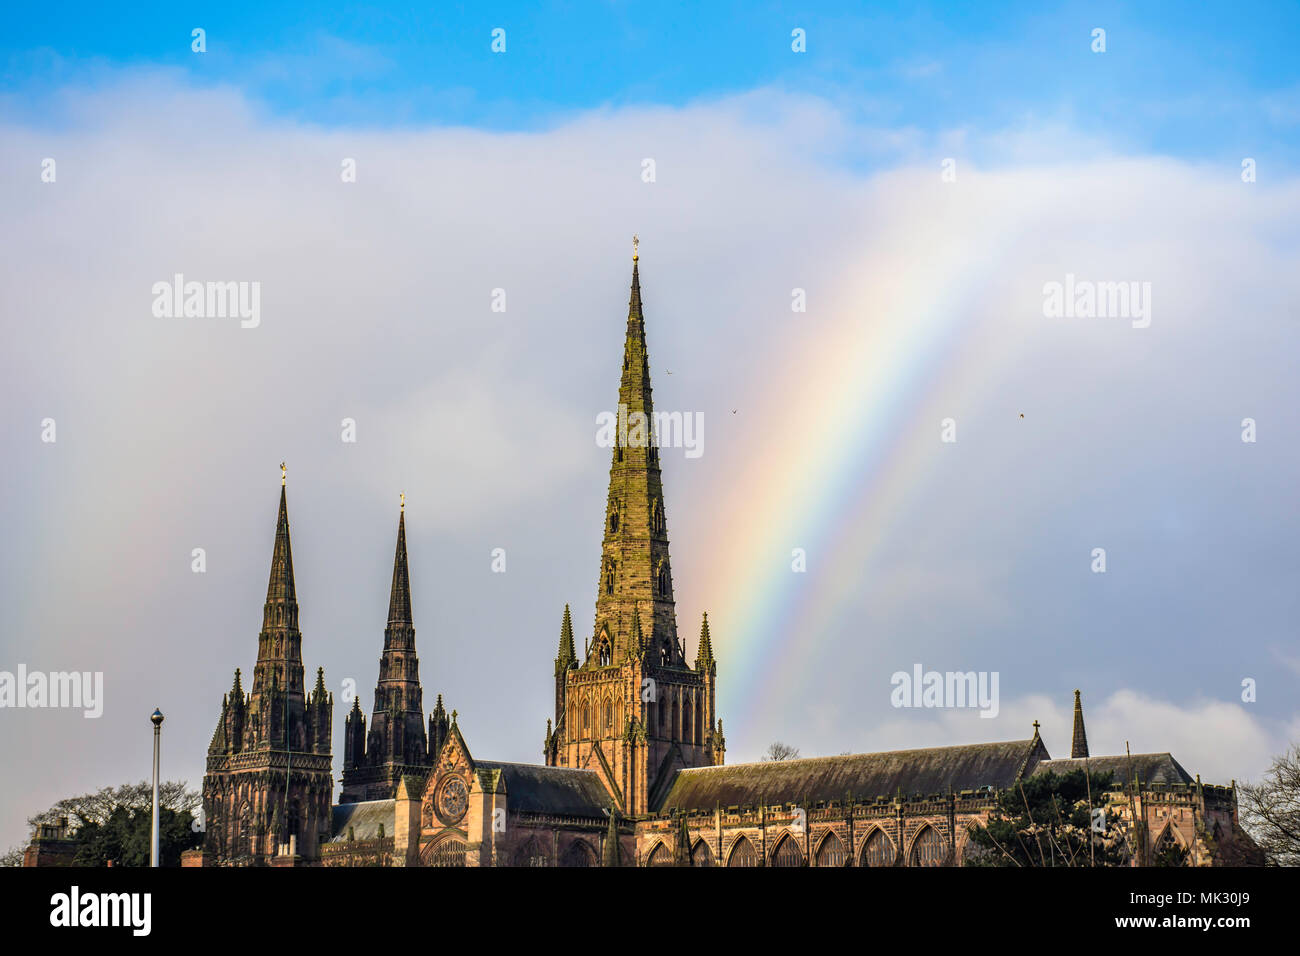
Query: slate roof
565,791
364,818
1148,768
865,776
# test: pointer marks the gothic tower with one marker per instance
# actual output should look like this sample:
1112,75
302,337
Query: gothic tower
374,763
632,708
268,787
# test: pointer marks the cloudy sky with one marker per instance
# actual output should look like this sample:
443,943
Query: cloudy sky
920,175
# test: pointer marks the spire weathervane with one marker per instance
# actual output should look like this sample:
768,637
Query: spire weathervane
282,474
635,242
402,495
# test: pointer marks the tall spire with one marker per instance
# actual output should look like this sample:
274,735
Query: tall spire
279,645
399,600
280,590
1079,744
635,568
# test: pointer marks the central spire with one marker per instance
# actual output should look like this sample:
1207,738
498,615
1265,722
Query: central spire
635,568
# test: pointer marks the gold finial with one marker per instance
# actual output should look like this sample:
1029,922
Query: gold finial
402,495
635,242
282,474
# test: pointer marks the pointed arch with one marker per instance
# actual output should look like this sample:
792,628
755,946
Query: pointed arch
877,849
742,853
659,856
928,848
787,852
701,855
830,851
532,852
445,853
578,853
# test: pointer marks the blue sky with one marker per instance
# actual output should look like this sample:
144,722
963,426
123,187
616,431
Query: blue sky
1195,80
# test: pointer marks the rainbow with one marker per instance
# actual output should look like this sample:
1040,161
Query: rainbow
858,428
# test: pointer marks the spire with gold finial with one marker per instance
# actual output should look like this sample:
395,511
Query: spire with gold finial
635,242
283,473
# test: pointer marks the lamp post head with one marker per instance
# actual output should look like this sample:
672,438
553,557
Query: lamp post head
156,717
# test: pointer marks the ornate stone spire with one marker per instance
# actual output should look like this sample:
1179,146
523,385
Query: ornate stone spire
1079,743
396,743
399,600
635,567
704,656
279,672
568,654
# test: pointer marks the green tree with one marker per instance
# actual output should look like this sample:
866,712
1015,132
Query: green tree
1047,821
114,823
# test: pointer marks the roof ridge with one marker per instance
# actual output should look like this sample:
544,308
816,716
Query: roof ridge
870,753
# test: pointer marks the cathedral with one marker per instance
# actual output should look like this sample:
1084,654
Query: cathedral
633,770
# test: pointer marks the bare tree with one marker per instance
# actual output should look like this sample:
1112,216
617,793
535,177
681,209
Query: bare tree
13,857
98,806
1270,809
779,751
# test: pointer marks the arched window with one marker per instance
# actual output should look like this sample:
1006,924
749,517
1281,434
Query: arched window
659,856
533,852
657,519
665,580
742,853
787,852
1168,851
609,719
878,850
586,718
578,853
293,820
928,848
609,577
831,852
688,707
447,853
663,711
701,855
603,653
613,521
243,835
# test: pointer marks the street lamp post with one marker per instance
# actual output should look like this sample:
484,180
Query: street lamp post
157,718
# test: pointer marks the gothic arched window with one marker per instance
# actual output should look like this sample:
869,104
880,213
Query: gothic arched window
877,851
579,853
927,848
742,853
665,580
787,853
659,856
831,851
701,855
609,577
603,652
613,521
609,718
586,718
657,519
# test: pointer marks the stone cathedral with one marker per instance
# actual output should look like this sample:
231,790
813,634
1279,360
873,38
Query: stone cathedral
633,770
